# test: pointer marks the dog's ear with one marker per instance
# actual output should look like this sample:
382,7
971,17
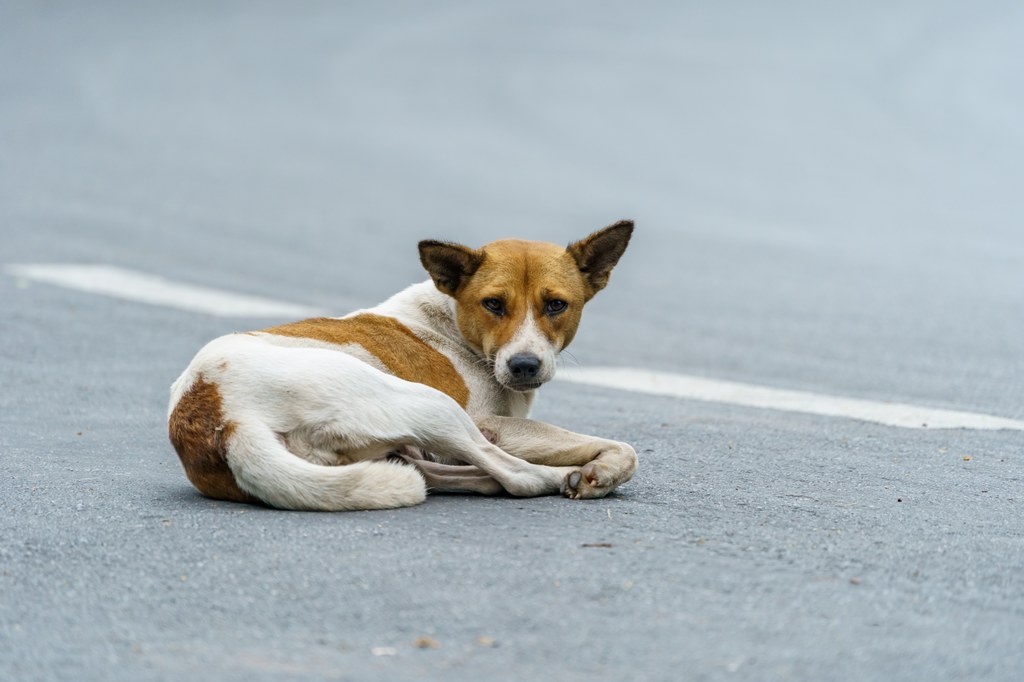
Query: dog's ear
449,264
597,254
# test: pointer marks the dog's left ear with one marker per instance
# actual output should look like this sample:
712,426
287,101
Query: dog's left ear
450,265
597,254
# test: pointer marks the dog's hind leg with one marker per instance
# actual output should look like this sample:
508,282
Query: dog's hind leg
605,464
447,478
338,403
451,478
426,418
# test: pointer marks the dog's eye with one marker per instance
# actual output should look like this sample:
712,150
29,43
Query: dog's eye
495,305
555,306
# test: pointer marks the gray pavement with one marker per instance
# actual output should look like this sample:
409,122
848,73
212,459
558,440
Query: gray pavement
827,199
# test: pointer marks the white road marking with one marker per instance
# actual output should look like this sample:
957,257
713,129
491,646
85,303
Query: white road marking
143,288
750,395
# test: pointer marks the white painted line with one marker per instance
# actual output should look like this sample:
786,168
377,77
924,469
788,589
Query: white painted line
143,288
749,395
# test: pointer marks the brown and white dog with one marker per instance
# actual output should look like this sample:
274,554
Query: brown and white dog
441,374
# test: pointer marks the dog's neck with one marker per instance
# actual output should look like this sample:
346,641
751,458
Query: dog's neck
423,305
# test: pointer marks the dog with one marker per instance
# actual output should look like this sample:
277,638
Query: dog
429,389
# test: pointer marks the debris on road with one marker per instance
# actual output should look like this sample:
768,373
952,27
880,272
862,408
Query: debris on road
425,643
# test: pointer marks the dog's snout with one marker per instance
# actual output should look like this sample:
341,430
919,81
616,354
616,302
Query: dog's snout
524,366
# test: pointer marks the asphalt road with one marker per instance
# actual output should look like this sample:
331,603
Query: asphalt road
827,199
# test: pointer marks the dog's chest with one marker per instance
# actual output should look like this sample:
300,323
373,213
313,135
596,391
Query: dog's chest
488,397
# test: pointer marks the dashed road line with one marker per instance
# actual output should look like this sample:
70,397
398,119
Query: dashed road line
141,287
750,395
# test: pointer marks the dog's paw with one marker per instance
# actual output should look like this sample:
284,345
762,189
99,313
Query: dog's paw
591,481
612,467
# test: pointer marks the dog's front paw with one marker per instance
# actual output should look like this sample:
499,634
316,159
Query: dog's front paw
611,468
591,481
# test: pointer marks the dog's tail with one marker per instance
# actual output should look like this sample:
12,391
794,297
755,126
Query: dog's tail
264,468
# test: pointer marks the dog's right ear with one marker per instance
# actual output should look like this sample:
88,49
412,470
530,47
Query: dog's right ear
450,265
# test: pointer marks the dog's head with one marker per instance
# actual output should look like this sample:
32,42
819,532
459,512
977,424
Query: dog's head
519,302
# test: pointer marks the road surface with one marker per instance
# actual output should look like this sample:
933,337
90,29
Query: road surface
827,201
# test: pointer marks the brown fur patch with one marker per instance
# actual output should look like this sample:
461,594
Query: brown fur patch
199,434
404,354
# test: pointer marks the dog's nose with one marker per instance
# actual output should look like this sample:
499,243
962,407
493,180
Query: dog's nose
524,366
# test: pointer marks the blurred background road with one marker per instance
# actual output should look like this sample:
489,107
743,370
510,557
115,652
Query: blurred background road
827,199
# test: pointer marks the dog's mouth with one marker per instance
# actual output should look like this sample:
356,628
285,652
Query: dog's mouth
524,386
